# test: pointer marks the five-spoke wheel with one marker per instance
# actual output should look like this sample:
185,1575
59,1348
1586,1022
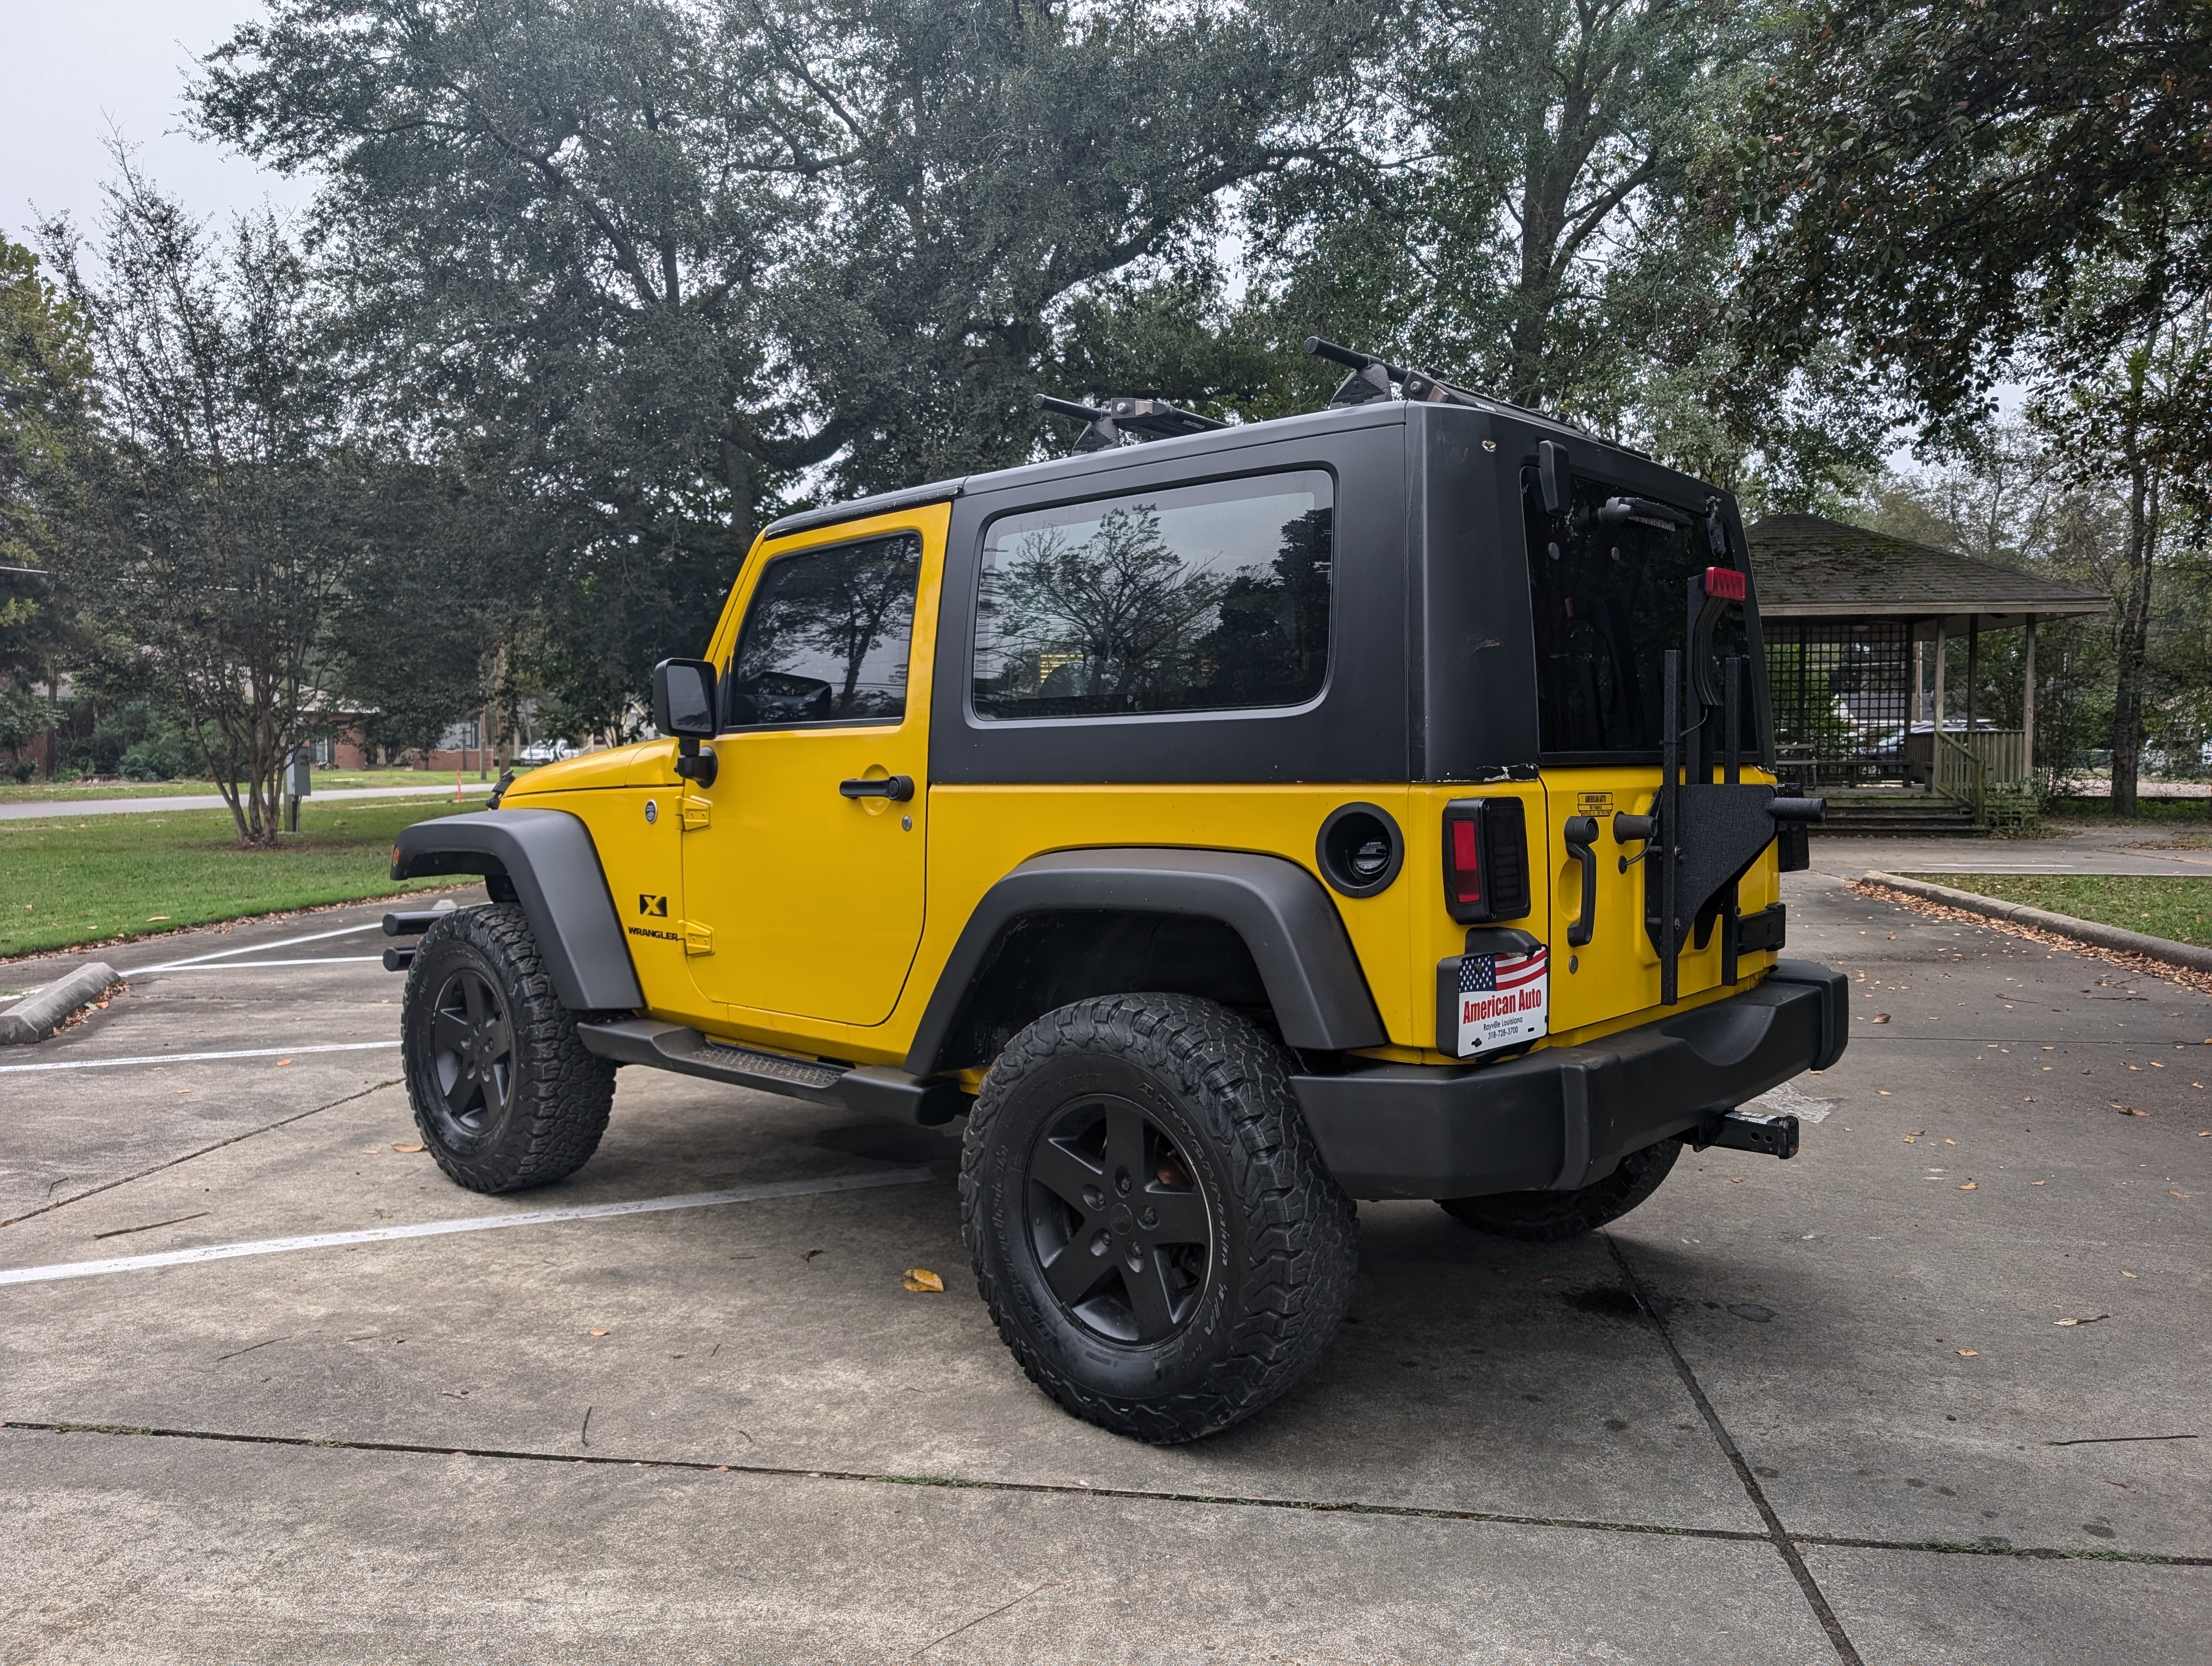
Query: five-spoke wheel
505,1092
472,1056
1116,1220
1151,1227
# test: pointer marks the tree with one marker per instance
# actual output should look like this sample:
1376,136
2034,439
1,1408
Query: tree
1950,190
224,533
46,440
649,265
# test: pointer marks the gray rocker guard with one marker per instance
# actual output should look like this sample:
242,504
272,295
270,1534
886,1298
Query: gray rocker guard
549,856
1286,920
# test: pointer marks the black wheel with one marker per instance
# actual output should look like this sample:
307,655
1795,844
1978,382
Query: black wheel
504,1093
1151,1227
1549,1217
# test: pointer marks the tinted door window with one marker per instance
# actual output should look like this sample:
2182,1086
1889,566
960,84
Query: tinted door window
825,639
1609,600
1189,598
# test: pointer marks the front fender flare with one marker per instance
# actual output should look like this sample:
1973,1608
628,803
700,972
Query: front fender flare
549,857
1295,937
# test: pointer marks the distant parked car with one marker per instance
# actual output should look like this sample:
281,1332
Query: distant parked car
546,751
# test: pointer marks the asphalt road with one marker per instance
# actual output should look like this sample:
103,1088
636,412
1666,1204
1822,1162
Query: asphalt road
1784,1412
61,809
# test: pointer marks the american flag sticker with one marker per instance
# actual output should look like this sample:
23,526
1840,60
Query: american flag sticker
1504,999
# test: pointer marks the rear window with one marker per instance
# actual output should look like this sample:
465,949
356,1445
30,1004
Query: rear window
1609,600
1190,599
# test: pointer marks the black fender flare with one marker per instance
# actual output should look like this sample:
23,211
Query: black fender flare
1295,935
549,857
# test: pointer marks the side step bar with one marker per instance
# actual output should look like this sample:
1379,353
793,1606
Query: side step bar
874,1090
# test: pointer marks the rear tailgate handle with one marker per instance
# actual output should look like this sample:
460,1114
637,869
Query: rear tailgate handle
897,788
1581,834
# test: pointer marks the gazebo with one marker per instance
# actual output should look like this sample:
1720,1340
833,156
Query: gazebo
1857,625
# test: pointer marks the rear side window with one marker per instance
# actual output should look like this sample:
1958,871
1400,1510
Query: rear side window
1186,600
825,638
1610,599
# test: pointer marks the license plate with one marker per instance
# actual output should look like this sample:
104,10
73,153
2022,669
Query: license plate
1504,1001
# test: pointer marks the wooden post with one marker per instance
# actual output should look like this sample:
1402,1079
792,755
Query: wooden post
1935,740
2028,705
1973,670
1919,675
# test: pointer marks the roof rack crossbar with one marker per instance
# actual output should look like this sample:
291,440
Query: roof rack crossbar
1138,419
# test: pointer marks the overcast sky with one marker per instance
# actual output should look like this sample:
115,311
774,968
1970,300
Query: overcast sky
71,72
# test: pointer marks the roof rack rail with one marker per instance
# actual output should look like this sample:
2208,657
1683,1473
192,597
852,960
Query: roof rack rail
1138,419
1371,378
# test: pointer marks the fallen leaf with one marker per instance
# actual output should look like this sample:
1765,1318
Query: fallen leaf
2177,1194
283,1061
2091,1320
2038,1182
153,919
595,1333
369,1151
811,1255
1883,1091
920,1277
2129,1110
1950,1142
1968,1353
1882,1017
1968,1187
407,1148
2126,1275
1735,1180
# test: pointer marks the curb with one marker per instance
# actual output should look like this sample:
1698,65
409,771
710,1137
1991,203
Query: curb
35,1017
2061,925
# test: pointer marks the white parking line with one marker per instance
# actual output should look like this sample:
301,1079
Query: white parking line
258,948
250,965
196,1058
86,1269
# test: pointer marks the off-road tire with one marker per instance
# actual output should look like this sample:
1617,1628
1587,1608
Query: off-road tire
1283,1248
1552,1217
554,1097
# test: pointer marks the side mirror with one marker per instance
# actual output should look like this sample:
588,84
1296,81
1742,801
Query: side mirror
683,693
684,699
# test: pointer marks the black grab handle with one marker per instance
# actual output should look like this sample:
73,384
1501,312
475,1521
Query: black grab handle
897,788
1581,834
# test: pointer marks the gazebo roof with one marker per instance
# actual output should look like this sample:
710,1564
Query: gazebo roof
1810,567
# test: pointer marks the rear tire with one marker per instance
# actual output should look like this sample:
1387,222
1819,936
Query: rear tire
1151,1227
1553,1217
504,1092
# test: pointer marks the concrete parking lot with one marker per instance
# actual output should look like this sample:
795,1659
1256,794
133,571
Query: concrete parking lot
1829,1409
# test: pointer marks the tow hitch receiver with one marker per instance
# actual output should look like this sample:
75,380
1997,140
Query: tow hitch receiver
1768,1133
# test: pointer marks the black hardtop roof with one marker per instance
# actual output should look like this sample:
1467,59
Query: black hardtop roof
1381,413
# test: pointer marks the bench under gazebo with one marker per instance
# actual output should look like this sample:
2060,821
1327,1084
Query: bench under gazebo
1858,624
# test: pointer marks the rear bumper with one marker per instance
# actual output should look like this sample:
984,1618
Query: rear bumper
1562,1118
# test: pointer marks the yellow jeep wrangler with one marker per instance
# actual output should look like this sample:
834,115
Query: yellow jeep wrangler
1376,803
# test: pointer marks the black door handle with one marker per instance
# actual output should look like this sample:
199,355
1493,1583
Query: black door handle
897,788
1581,834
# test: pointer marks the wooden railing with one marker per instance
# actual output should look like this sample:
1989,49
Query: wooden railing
2003,753
1959,775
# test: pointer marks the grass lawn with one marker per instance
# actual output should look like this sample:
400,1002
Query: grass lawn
63,883
48,792
2177,908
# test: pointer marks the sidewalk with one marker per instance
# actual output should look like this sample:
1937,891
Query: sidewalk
61,809
2089,850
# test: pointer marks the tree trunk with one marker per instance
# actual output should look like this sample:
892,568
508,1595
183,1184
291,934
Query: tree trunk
2133,630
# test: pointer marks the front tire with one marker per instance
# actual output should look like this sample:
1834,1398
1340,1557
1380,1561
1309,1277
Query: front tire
1151,1228
1554,1216
504,1093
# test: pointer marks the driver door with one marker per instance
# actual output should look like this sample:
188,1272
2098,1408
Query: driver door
803,863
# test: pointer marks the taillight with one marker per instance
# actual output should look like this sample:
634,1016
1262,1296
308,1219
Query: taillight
1726,583
1485,859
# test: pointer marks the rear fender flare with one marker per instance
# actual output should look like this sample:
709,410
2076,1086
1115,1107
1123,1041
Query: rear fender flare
1294,936
549,857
